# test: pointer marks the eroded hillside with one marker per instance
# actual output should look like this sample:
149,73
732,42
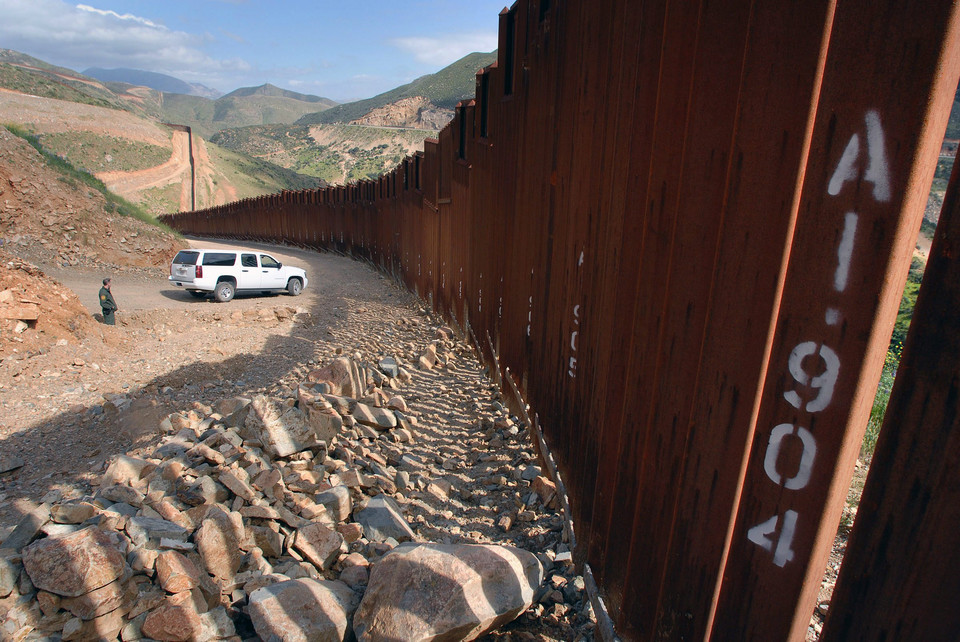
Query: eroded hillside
140,159
337,154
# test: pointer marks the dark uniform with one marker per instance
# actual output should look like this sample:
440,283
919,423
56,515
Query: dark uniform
108,305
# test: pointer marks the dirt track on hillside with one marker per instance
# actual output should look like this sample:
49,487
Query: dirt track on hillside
175,170
50,116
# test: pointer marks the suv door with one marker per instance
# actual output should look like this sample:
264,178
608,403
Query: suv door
249,277
272,277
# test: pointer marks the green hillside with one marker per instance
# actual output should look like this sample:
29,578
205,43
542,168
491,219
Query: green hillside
20,80
26,74
269,90
335,153
248,106
953,126
253,177
445,88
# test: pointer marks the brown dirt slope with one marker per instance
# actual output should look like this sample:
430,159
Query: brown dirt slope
51,221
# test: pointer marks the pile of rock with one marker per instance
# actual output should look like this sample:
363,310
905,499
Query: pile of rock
18,311
267,516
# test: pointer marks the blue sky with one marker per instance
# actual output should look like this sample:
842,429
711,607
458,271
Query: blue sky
341,50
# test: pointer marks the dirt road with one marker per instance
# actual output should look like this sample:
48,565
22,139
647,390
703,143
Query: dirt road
170,350
139,291
68,410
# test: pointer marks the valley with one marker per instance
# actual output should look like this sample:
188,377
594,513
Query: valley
252,141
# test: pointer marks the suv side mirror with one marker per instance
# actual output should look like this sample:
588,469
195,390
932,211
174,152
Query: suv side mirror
279,265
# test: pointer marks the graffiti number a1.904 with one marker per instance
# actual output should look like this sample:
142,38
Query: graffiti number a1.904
813,365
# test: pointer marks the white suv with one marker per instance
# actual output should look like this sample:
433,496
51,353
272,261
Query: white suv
226,272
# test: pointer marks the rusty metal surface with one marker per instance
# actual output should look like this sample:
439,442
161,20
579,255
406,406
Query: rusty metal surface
865,186
677,231
903,550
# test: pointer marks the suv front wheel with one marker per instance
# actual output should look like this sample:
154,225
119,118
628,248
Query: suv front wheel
224,291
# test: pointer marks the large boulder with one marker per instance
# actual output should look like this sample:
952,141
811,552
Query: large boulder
74,564
177,619
319,543
342,375
304,610
101,601
176,573
126,470
218,541
379,418
336,502
10,567
323,419
283,431
382,519
444,592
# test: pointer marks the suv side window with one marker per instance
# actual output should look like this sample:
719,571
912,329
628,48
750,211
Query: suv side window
248,260
268,261
220,259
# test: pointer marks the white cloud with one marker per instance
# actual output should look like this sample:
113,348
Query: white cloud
81,36
114,14
443,50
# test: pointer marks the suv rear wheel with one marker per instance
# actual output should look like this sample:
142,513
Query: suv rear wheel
294,287
224,291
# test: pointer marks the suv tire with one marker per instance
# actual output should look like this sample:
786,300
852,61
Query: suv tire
224,291
294,287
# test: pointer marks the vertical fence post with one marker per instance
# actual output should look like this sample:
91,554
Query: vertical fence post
903,553
872,159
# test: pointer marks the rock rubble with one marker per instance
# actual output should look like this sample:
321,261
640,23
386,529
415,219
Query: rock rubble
288,515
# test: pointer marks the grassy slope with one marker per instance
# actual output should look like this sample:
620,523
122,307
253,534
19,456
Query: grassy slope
253,177
276,92
101,153
445,88
79,177
953,126
96,153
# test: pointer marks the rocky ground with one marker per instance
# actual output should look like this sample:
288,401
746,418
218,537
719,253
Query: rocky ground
76,395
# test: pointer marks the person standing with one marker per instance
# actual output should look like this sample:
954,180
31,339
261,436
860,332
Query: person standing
107,303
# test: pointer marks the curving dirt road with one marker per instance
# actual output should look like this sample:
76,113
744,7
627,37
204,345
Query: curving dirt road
173,350
152,291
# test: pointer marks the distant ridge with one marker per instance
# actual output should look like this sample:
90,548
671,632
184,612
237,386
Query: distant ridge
444,89
276,92
153,80
17,58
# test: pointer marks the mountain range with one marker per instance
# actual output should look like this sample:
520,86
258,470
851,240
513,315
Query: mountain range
153,80
254,140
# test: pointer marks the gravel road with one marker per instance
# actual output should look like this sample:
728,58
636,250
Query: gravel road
150,290
170,350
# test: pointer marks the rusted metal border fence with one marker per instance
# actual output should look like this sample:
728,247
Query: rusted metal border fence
679,231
